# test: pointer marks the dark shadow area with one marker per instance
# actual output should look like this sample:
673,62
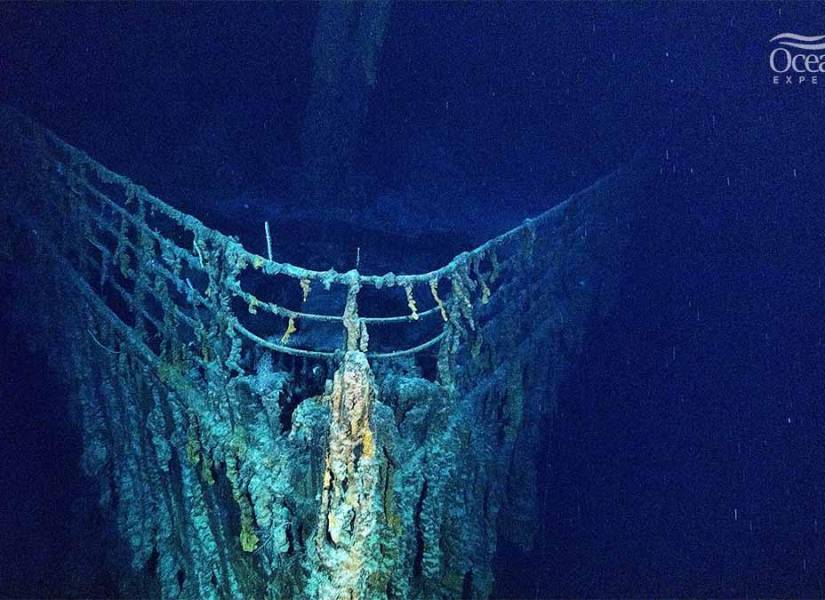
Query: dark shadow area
53,536
685,457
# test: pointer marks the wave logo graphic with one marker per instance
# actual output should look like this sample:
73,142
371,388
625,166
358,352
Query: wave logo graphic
803,42
797,58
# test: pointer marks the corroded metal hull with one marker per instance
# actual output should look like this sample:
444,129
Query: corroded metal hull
239,456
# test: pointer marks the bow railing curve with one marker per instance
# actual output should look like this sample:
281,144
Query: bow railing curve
179,284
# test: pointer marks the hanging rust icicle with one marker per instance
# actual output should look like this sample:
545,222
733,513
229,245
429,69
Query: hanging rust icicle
373,455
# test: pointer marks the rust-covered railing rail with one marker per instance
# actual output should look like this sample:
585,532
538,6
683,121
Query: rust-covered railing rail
184,289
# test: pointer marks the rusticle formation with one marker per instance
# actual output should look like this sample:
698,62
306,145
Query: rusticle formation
259,430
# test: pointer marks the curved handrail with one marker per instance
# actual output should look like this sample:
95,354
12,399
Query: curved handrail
330,276
228,257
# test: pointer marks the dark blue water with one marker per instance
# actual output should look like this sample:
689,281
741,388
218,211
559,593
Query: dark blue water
688,456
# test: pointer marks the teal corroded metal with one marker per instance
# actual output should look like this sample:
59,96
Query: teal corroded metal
227,467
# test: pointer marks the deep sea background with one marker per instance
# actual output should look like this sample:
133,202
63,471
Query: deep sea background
688,456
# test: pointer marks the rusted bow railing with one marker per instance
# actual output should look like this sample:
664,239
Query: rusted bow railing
187,292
